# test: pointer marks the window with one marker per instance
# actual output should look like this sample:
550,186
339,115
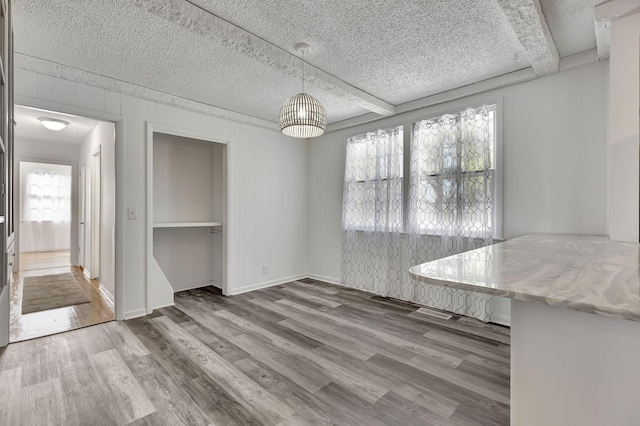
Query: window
452,177
373,181
453,173
48,196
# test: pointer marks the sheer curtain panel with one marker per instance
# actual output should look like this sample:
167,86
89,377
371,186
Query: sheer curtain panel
372,212
45,209
451,201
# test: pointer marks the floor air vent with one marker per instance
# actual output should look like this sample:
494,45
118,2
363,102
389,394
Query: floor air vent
433,313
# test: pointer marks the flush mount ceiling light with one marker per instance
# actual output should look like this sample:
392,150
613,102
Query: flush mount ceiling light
302,115
53,123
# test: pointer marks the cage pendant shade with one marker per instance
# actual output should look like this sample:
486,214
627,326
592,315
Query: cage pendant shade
303,116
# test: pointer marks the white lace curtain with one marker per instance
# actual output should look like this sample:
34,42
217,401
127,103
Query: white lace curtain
451,201
372,212
450,207
45,210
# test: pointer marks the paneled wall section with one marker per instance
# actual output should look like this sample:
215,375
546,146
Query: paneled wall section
268,184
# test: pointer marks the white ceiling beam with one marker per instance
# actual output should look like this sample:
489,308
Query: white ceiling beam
225,33
405,110
529,24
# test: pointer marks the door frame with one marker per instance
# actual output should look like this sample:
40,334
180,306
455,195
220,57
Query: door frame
96,213
119,122
228,235
82,188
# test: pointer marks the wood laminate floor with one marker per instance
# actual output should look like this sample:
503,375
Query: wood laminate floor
44,260
44,323
296,354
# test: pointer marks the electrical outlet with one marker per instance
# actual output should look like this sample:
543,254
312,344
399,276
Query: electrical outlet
264,269
132,213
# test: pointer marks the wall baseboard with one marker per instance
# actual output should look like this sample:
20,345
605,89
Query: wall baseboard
194,286
86,273
106,294
136,313
330,280
265,284
501,319
164,306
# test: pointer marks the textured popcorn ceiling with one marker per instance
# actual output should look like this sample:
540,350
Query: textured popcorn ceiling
122,41
571,24
397,51
29,127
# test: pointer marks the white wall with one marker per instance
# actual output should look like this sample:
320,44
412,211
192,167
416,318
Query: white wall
268,184
102,136
27,148
183,171
554,167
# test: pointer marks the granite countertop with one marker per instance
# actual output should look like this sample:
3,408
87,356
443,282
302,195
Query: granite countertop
581,272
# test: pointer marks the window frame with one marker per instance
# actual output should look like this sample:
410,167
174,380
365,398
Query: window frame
362,227
408,119
441,177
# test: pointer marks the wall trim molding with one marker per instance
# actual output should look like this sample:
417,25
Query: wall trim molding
52,69
193,286
135,313
106,294
165,306
501,320
326,279
266,284
480,87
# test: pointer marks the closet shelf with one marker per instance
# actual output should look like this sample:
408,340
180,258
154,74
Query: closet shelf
186,224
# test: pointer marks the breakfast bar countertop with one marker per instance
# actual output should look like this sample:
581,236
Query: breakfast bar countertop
580,272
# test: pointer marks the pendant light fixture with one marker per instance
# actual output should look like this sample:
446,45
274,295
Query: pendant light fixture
302,115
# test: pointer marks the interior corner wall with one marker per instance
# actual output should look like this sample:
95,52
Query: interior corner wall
268,184
103,136
554,164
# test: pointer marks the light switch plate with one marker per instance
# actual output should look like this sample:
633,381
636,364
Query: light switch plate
132,213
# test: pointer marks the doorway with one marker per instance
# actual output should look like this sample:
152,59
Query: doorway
45,215
65,197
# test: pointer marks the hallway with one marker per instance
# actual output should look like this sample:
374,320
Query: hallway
43,323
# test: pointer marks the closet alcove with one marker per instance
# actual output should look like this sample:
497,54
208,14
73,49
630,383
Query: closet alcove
186,211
